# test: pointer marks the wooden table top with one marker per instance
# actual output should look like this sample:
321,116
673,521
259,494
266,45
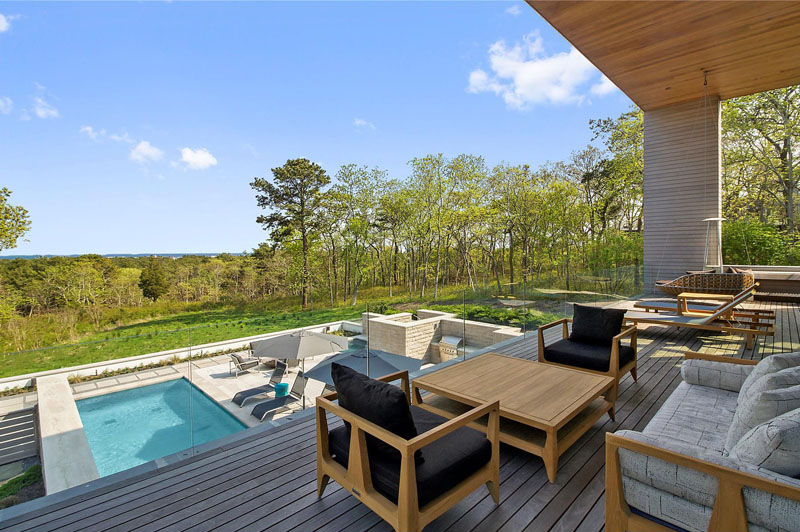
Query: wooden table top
702,295
541,395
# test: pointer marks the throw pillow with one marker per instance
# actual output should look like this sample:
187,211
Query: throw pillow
770,396
379,402
773,445
771,364
596,325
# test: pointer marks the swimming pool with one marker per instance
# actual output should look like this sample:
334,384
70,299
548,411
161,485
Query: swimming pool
135,426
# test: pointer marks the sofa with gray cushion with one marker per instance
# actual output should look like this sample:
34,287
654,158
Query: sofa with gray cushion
725,430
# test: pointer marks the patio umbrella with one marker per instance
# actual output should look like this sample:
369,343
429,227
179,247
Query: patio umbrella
298,346
380,363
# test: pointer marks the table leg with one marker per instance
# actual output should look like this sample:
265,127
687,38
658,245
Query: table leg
550,456
416,397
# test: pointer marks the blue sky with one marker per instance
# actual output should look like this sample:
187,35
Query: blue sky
137,127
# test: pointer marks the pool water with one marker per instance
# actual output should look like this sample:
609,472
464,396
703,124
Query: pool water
135,426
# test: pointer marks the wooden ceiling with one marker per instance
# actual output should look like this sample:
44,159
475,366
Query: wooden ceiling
656,52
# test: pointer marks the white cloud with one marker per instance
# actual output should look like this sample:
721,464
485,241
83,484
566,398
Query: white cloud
6,105
124,137
603,87
90,132
5,23
524,75
43,109
198,159
515,10
144,152
363,124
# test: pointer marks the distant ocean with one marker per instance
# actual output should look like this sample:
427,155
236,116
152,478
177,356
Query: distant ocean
113,255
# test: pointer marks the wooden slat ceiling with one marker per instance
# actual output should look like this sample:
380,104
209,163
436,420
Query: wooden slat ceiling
656,52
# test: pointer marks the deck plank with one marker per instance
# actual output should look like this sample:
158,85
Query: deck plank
268,482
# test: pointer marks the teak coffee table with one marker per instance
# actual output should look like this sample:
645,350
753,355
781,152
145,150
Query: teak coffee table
544,409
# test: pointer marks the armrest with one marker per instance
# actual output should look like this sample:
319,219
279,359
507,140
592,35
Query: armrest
554,323
693,355
490,408
725,470
359,423
630,331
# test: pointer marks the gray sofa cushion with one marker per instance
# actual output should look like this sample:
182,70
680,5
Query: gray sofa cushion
770,364
770,396
715,374
695,415
774,445
684,496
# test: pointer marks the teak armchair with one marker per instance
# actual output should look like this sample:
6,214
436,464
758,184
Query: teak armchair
613,353
405,515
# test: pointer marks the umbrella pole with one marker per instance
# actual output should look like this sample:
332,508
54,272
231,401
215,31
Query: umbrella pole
303,371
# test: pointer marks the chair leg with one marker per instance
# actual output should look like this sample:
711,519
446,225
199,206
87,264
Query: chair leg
633,373
494,491
322,483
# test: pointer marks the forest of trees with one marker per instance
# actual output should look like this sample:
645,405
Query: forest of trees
452,220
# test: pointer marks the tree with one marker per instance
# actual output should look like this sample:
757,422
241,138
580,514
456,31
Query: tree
14,221
295,198
761,131
153,282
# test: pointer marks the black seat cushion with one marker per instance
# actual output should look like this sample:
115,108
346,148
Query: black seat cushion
586,355
448,460
596,325
379,402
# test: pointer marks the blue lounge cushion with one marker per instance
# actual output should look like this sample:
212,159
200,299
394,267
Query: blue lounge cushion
448,461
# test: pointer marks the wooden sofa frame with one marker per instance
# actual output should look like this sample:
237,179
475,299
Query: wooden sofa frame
728,514
613,367
406,515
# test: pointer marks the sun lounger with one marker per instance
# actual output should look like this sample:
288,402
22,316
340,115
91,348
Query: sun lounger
241,397
261,410
722,320
700,309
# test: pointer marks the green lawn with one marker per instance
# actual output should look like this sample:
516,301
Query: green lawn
191,328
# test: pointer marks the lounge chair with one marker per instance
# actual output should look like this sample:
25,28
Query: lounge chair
242,364
376,456
722,320
595,344
685,307
241,397
261,410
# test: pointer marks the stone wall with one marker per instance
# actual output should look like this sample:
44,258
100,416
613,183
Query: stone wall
397,333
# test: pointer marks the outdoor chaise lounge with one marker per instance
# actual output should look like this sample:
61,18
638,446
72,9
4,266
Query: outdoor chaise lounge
404,463
721,454
687,306
242,364
261,410
595,343
722,320
253,393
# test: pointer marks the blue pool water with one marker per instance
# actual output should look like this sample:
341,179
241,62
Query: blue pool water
135,426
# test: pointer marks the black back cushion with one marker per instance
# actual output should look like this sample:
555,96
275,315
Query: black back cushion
595,325
379,402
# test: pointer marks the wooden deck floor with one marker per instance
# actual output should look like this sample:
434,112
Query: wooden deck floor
266,482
